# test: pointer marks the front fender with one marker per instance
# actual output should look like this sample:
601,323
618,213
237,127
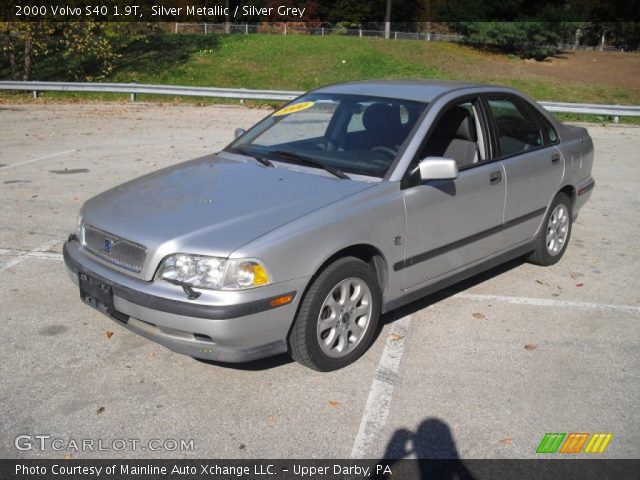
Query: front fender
373,217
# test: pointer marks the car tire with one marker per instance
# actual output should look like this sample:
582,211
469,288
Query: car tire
552,239
338,316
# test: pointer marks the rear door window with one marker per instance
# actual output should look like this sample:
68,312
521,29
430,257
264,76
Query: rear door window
517,128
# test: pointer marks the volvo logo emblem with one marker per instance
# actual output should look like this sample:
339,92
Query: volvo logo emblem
108,245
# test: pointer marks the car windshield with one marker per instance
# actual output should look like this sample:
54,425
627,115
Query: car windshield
350,134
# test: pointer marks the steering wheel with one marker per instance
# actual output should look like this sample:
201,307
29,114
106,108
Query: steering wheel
386,150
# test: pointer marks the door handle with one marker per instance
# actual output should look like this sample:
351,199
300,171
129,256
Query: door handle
495,177
555,158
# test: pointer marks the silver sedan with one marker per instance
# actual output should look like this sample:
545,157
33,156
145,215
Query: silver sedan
351,201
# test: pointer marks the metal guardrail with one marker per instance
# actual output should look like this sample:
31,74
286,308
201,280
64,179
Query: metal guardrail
134,89
242,94
593,109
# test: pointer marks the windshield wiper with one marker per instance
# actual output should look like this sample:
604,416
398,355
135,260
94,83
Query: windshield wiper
310,161
263,160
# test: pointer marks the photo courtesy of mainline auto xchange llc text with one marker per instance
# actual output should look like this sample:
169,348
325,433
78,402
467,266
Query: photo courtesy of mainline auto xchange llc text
319,239
206,470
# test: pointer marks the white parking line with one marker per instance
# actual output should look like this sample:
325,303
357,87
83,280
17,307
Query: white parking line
544,302
378,403
22,255
36,159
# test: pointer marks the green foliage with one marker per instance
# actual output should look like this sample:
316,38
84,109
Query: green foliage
527,28
83,51
525,39
21,43
350,13
298,62
302,62
87,51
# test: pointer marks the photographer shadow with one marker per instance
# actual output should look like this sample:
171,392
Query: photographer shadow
433,446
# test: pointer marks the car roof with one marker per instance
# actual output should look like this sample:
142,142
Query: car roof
416,90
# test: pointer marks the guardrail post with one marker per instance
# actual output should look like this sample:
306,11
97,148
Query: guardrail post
205,28
616,119
35,94
246,29
360,32
323,31
176,28
133,97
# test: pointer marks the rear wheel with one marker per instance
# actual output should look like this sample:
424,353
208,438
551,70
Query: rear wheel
338,316
553,238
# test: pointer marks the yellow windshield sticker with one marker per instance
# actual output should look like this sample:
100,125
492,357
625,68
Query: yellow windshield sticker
298,107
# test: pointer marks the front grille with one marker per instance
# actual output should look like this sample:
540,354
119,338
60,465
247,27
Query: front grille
114,249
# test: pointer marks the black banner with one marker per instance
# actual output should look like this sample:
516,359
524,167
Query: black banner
547,469
254,11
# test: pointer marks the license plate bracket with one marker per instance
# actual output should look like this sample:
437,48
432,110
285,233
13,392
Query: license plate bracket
96,294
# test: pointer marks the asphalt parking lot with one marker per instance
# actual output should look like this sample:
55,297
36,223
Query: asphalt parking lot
483,370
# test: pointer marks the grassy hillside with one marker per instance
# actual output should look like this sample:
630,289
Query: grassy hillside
304,62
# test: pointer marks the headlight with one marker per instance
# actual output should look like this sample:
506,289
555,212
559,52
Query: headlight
213,273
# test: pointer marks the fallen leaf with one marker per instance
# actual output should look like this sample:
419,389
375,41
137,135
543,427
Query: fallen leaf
506,441
530,346
270,419
152,354
579,284
99,411
395,337
109,333
242,446
68,456
334,403
479,315
555,294
576,275
542,283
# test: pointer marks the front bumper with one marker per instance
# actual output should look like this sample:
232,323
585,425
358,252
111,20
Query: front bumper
225,326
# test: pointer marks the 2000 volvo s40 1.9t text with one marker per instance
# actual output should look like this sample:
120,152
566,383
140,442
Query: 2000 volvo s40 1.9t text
352,200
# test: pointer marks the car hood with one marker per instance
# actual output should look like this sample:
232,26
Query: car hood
210,205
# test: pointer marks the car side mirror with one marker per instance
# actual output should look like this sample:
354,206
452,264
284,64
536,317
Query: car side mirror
239,132
438,168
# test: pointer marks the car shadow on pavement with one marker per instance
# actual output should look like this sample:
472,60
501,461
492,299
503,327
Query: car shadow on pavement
432,441
254,366
436,297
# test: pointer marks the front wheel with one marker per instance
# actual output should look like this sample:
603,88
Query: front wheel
338,316
553,237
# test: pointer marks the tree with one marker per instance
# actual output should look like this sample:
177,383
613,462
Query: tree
387,19
21,43
526,39
349,13
87,49
528,28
